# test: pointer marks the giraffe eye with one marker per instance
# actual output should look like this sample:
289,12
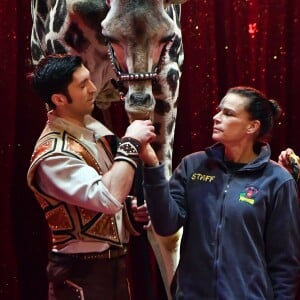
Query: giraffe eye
168,38
111,40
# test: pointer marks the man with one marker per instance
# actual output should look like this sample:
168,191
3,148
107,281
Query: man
81,186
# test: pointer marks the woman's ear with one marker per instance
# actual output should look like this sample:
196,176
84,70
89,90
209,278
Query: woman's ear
253,126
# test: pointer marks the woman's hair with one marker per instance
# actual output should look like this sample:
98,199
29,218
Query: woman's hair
259,108
53,74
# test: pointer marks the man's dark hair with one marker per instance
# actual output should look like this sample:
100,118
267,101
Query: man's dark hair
53,74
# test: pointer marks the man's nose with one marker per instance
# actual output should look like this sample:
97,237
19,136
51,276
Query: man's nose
92,87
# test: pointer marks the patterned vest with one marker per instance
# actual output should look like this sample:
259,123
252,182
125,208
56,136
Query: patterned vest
69,222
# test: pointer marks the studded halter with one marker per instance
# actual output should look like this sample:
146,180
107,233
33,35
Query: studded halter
122,76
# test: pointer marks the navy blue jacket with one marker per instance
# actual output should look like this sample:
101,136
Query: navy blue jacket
241,237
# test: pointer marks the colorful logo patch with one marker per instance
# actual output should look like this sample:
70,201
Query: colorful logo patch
248,195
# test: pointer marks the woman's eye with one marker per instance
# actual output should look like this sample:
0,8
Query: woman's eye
227,113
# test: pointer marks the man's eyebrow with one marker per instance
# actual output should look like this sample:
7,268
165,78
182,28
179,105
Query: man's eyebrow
83,81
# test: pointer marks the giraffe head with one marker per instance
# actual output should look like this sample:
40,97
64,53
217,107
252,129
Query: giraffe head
145,36
144,41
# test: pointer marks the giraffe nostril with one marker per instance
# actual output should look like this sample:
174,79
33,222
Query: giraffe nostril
140,99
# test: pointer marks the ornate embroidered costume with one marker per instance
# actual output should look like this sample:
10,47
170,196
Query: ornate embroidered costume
83,217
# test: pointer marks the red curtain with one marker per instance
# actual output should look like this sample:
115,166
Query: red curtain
226,43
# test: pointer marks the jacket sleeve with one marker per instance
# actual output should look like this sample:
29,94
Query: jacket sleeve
283,242
167,210
71,180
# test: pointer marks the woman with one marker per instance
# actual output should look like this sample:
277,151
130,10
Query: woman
238,208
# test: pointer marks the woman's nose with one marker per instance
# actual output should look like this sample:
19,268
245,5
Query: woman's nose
216,116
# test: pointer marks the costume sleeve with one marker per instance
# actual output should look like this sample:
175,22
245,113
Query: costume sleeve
283,242
166,209
71,180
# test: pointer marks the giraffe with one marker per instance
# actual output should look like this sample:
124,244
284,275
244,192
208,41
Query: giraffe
134,51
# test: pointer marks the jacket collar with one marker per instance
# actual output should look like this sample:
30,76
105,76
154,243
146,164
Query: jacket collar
216,153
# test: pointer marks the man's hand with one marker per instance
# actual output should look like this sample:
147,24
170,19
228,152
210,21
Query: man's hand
141,130
140,213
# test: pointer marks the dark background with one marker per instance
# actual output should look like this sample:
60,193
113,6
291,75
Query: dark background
227,43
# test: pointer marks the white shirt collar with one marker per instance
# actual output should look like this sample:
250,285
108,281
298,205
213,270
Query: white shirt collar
93,129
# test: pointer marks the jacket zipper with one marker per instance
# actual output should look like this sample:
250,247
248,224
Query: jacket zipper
219,229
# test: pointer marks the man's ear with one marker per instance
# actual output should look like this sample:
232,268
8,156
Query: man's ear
253,126
58,99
